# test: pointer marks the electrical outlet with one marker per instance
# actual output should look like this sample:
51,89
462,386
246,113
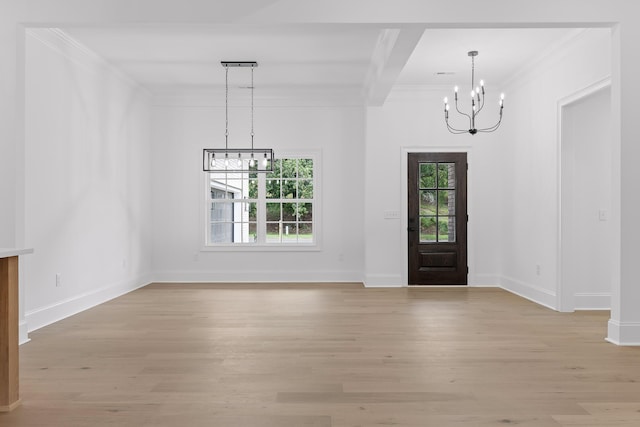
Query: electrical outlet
58,280
603,215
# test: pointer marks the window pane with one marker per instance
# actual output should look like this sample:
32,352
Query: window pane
289,189
289,232
221,232
221,211
427,229
273,232
447,175
289,211
305,168
273,212
289,168
447,229
253,188
427,175
253,232
427,202
447,202
305,211
253,211
305,232
273,188
217,193
305,189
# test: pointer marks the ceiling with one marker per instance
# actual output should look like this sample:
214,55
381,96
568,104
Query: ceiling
364,60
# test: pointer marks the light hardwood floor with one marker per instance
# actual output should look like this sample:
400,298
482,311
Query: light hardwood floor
326,355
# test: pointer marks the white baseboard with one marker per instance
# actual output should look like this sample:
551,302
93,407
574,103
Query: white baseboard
383,281
43,316
593,301
279,276
533,293
485,280
624,333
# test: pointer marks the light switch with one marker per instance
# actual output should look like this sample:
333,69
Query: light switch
391,214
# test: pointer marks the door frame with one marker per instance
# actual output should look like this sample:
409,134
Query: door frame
564,291
472,280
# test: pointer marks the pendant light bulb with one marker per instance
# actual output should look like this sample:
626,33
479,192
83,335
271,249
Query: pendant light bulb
265,162
252,162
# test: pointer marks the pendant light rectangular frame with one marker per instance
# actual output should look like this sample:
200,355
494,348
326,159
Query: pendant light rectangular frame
227,160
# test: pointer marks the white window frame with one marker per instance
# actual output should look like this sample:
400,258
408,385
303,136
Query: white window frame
261,219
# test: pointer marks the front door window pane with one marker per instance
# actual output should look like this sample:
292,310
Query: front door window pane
427,202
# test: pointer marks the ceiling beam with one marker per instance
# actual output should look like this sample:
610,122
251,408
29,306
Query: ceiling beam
393,49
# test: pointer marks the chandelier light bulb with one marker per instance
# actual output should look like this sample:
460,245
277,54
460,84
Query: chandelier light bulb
482,83
446,100
473,93
501,96
455,89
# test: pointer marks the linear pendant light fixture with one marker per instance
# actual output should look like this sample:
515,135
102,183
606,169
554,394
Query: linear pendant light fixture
477,104
237,159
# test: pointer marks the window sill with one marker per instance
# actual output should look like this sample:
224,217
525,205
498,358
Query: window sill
252,247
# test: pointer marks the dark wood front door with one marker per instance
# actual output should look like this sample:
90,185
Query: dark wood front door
437,226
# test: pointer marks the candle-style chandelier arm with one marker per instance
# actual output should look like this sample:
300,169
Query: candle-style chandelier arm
494,127
449,127
480,101
463,113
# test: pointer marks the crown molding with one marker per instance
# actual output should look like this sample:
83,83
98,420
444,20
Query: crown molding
307,96
65,45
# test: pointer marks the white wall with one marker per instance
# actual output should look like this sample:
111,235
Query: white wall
586,246
180,132
530,142
87,180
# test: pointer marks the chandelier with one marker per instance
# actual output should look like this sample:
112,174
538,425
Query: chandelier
237,159
477,104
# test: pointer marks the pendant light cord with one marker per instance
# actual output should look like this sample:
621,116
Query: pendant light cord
252,108
226,108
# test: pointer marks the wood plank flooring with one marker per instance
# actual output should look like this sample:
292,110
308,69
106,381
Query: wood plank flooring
326,356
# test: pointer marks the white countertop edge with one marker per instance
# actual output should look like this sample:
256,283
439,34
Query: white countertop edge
9,252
